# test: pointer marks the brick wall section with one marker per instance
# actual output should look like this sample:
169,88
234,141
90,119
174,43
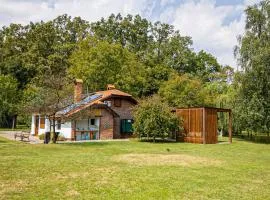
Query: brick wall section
125,111
78,87
106,125
116,129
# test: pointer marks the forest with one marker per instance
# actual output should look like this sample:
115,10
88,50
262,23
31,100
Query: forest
39,61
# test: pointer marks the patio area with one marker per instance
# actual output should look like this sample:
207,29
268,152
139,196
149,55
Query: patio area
10,135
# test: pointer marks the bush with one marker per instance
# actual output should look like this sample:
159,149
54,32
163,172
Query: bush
61,137
154,118
42,136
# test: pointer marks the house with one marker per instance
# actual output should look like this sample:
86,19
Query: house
200,124
97,116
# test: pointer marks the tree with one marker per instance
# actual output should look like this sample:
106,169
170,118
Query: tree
27,52
138,56
48,96
99,63
153,118
182,91
8,101
253,55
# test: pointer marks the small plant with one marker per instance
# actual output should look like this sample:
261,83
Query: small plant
42,136
61,137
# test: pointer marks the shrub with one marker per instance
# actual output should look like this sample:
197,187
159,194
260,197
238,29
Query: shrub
154,118
42,136
61,137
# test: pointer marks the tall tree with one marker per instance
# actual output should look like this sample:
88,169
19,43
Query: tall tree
253,55
183,91
8,100
47,96
99,63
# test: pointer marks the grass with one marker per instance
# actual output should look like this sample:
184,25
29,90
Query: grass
134,170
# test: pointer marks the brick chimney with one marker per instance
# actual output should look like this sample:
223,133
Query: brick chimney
110,87
78,90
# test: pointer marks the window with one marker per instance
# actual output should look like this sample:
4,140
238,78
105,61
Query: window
108,103
117,102
92,122
42,122
58,124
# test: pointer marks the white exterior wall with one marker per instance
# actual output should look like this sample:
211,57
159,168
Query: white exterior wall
97,122
47,125
66,130
33,125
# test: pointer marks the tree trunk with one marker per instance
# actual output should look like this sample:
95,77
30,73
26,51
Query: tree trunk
54,134
14,121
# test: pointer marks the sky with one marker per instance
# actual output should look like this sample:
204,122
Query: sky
213,24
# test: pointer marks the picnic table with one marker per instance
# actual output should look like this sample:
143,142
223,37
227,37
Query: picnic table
22,135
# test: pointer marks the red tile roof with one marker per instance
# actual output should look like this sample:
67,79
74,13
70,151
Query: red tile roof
99,101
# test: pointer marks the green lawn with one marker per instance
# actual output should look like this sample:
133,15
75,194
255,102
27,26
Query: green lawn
134,170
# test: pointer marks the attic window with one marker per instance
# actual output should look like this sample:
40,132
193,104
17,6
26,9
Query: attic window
117,102
108,103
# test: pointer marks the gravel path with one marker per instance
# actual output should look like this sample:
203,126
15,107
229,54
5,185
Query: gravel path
35,140
10,135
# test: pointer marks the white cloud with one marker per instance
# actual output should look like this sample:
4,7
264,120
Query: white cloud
206,24
25,11
166,2
251,2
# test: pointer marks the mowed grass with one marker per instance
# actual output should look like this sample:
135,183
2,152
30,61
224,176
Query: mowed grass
134,170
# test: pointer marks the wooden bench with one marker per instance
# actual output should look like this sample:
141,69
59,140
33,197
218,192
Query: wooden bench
22,135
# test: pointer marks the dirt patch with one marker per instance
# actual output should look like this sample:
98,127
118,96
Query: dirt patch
165,159
72,193
11,186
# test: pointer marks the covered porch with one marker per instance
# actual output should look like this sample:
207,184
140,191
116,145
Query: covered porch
86,129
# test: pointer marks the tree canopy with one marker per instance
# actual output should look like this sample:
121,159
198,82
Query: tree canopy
138,56
253,55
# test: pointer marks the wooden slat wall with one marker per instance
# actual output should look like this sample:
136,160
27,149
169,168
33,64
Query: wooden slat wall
184,115
193,124
210,126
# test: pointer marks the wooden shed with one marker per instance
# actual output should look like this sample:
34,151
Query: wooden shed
200,124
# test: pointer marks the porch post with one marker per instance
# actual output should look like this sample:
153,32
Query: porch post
73,129
230,126
33,125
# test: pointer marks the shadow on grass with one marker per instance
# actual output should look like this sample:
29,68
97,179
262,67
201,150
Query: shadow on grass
260,139
3,141
158,140
84,144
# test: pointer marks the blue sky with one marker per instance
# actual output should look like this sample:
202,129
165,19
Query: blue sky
212,24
